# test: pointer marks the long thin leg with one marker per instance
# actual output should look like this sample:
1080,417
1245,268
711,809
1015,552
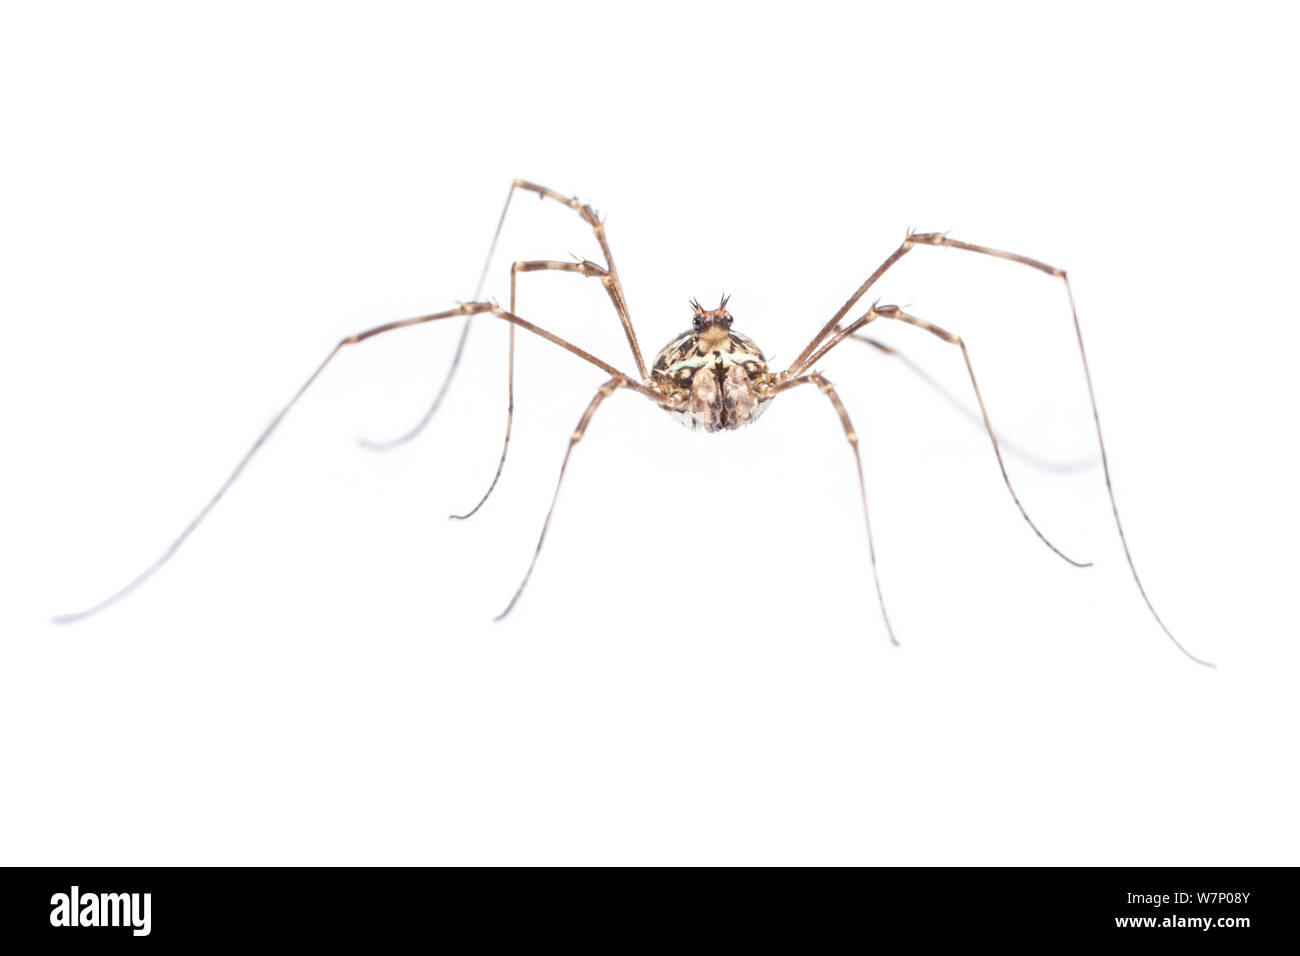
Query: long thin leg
460,348
585,268
467,309
894,312
1014,449
602,393
802,359
609,279
939,239
510,417
816,378
613,286
878,311
913,240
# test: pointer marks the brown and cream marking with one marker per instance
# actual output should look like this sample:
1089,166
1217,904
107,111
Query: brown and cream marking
710,378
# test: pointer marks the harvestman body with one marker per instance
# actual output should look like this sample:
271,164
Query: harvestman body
709,378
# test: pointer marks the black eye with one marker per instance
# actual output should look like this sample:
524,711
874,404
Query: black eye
698,323
727,321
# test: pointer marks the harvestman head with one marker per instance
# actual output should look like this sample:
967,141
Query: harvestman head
709,378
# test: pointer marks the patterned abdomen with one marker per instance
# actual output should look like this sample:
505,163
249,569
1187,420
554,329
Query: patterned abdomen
712,376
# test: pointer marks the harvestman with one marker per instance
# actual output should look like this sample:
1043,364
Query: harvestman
710,378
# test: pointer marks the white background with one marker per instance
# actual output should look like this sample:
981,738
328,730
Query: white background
198,201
